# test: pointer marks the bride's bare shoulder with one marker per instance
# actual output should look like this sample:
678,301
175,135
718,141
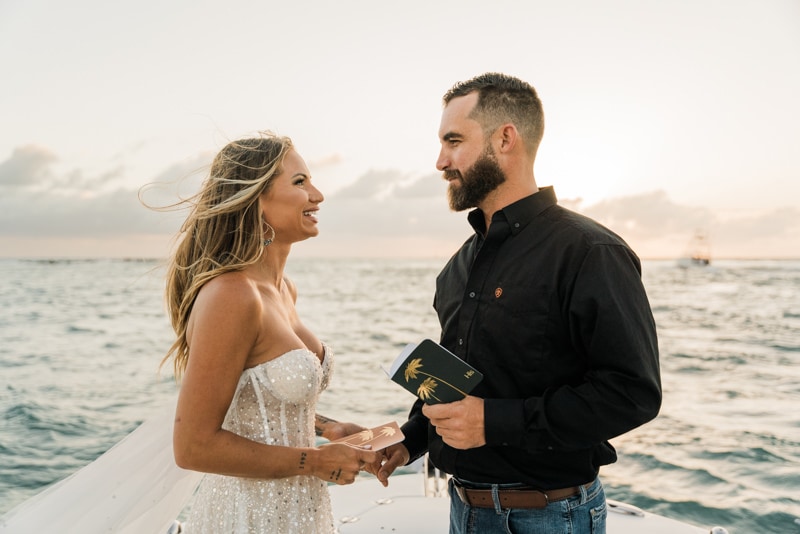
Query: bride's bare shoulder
229,288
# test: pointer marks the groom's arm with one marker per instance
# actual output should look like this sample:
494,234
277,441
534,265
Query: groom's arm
415,431
332,429
321,423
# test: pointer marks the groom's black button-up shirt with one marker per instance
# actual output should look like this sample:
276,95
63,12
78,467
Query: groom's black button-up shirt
550,307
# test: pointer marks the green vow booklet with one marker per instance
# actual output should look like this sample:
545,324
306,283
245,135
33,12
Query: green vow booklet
433,373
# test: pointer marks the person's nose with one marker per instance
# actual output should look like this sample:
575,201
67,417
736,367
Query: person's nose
316,195
443,162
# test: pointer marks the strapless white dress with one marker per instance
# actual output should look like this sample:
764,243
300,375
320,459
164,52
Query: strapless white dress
275,403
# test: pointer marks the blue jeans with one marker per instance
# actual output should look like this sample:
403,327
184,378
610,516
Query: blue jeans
584,513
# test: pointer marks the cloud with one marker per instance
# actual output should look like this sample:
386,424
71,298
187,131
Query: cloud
113,213
27,166
392,204
658,227
427,186
648,214
386,184
178,181
371,185
78,205
779,223
383,213
772,234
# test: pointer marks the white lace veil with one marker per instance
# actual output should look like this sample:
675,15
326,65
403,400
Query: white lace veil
134,488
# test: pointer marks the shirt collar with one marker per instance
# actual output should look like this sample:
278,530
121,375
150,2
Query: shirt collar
518,214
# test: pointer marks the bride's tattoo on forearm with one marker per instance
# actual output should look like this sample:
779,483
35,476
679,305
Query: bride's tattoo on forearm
320,421
336,474
303,456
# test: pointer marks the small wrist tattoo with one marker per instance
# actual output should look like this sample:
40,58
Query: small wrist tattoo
303,456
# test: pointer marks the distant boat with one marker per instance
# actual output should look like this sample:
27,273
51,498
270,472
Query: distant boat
698,253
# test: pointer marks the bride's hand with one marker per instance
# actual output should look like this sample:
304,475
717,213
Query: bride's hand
339,463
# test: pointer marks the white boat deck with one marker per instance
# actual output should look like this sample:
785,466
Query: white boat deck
368,507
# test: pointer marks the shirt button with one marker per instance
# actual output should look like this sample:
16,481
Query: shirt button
516,225
472,294
460,341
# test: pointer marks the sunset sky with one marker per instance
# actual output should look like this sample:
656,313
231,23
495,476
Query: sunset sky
662,117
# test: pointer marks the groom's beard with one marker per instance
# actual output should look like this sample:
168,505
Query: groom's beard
476,183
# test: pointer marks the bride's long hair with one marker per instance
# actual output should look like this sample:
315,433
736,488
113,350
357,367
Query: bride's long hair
224,230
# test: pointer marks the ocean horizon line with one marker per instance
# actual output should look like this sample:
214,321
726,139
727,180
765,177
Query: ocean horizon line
356,257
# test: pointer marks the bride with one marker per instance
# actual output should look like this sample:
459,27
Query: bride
250,371
250,374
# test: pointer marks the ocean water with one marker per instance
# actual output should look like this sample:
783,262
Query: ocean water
80,344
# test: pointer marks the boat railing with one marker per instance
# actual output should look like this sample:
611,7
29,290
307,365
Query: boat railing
435,479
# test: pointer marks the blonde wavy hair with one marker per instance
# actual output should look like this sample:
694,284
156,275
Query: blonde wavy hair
224,230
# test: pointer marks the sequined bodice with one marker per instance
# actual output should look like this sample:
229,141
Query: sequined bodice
274,403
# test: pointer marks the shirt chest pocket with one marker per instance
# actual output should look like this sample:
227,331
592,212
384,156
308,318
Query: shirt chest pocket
515,318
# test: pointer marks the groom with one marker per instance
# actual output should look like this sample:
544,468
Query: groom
550,307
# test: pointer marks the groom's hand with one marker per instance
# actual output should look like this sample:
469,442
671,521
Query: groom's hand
394,456
335,430
332,429
460,423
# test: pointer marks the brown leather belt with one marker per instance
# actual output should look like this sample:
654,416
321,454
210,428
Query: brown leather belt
515,498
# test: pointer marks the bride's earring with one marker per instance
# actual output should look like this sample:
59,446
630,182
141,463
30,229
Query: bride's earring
269,231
